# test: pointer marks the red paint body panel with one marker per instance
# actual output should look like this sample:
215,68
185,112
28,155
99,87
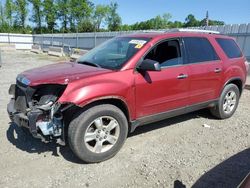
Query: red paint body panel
161,91
61,73
113,84
204,83
151,93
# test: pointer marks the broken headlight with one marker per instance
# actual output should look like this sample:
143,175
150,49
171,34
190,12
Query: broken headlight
46,94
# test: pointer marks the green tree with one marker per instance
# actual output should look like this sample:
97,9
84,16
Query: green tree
159,22
9,9
191,21
114,20
86,25
63,13
176,24
126,27
20,13
216,22
4,27
37,14
2,16
50,11
100,14
79,16
80,11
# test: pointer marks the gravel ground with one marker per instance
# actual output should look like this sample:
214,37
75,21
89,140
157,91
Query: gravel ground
178,152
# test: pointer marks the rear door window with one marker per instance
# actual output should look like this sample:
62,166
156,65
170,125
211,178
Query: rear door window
199,49
230,47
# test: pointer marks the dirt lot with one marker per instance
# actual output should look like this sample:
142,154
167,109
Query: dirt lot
178,152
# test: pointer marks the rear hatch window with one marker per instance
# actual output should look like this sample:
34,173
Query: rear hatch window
230,47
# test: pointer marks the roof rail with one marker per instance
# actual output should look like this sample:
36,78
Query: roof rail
154,31
193,30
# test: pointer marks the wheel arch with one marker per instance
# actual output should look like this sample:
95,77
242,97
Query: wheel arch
236,81
118,102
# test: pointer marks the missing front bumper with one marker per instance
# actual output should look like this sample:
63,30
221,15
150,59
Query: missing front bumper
45,129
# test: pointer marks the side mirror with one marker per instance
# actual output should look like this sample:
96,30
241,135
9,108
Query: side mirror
149,65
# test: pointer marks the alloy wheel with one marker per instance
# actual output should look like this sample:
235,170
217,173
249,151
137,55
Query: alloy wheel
102,134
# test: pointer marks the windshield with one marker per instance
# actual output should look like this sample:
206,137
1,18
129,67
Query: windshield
114,53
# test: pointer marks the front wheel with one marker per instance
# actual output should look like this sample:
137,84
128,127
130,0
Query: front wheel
98,133
228,102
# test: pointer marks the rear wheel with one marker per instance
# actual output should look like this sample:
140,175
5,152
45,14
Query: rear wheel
98,133
228,102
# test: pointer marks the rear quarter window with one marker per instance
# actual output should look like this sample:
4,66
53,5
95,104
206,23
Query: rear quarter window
230,47
199,49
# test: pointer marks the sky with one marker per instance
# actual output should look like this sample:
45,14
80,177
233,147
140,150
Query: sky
229,11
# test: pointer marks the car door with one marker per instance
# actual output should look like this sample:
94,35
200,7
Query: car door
165,90
205,69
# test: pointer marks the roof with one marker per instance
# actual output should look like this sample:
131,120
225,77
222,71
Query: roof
172,34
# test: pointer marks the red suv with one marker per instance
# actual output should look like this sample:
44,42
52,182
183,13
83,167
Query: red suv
125,82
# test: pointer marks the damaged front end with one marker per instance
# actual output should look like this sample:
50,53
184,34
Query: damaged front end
37,109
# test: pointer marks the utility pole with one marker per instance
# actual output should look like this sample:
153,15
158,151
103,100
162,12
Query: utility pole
207,19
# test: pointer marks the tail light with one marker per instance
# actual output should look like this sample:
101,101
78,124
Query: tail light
247,65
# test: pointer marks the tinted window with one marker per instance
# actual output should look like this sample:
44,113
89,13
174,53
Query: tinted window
199,50
230,47
167,53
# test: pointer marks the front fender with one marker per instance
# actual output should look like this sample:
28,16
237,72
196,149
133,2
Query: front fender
88,92
81,95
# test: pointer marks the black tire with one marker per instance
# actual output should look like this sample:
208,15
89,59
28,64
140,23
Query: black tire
218,110
79,125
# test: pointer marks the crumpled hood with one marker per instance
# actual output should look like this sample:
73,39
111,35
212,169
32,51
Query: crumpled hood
61,73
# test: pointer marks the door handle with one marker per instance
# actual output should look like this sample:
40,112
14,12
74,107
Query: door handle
217,70
182,76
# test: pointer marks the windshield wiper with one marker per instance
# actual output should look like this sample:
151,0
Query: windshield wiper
89,63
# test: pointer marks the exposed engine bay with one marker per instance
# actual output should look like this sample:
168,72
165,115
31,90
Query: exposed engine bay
37,109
